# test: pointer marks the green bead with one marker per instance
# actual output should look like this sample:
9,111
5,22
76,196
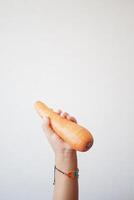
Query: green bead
76,174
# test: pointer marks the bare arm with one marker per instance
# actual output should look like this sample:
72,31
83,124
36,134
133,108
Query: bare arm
66,188
65,160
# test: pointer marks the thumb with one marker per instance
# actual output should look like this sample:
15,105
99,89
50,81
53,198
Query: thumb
46,127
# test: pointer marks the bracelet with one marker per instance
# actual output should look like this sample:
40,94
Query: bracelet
70,174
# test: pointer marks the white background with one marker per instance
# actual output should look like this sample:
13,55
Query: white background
77,56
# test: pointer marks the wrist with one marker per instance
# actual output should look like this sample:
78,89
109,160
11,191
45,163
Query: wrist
65,153
66,160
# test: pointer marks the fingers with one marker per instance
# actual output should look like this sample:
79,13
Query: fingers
72,119
66,115
59,111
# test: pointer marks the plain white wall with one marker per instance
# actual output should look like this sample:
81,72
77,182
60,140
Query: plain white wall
77,56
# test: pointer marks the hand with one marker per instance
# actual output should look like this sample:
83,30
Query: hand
58,145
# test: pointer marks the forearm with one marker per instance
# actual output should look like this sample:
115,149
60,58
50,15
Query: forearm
65,188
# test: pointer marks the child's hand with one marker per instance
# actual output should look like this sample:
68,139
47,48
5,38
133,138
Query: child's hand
58,145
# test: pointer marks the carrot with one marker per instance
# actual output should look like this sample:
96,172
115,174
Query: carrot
77,136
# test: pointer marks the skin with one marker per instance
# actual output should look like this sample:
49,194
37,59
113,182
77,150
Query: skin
65,159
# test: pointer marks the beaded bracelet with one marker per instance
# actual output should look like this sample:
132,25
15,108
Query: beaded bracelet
70,174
